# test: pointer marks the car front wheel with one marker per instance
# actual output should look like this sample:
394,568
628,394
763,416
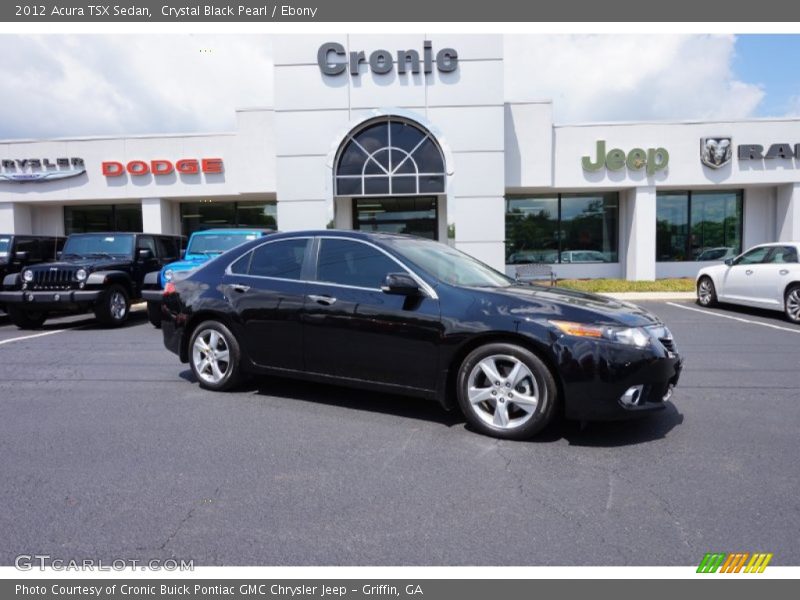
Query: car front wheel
506,391
113,306
706,292
26,319
215,356
791,303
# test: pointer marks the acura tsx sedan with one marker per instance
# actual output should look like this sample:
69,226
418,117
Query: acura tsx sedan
406,315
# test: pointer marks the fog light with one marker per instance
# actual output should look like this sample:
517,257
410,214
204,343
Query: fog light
668,395
632,396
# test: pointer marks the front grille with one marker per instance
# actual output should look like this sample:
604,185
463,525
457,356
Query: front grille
53,279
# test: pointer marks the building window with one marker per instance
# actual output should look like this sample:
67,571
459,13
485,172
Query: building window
389,157
102,217
414,216
698,225
562,228
196,216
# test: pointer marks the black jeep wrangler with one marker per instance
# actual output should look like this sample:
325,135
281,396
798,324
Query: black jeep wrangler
103,272
19,251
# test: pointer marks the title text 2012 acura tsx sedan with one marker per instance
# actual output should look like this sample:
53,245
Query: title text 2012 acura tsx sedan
412,316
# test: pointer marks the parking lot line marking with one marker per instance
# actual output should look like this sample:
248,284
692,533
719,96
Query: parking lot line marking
740,319
30,337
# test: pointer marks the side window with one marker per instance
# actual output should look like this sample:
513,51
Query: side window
352,263
167,248
283,259
242,264
783,254
754,256
29,246
146,242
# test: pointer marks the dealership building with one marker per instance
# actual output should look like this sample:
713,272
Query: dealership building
413,134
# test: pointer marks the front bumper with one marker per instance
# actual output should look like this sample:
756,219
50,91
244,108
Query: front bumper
152,295
596,376
49,299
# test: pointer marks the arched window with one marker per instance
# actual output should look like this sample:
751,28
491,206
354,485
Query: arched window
390,157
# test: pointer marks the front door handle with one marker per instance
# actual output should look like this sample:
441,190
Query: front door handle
324,300
748,272
784,271
238,287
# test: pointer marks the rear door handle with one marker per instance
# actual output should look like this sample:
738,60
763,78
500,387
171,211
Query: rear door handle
238,287
324,300
784,271
748,272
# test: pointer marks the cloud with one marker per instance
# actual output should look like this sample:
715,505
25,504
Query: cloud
629,77
108,85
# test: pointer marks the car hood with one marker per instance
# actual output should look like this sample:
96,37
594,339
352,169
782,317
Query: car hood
536,302
90,264
186,265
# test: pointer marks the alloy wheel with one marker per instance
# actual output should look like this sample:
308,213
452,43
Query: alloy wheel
705,291
118,305
793,305
503,391
211,356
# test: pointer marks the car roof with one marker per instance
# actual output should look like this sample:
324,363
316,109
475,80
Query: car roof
244,231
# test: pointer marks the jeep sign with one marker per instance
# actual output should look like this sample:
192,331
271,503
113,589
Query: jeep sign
652,159
334,60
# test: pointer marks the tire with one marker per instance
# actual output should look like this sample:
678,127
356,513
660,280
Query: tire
791,303
479,397
26,319
113,306
154,314
218,374
706,292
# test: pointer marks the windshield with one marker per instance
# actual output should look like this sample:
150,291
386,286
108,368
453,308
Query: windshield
217,243
448,264
89,244
5,246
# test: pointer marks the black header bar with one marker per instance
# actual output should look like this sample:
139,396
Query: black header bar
440,11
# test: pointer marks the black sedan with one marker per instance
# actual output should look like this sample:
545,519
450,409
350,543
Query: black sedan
412,316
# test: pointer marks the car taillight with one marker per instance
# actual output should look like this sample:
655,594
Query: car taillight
169,289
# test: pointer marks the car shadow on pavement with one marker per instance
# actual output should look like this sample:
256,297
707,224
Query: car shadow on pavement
594,434
344,397
610,434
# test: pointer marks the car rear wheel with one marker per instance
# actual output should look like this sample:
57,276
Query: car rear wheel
215,356
706,292
113,306
154,314
26,319
791,303
506,391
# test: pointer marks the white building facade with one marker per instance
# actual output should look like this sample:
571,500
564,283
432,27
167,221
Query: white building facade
413,134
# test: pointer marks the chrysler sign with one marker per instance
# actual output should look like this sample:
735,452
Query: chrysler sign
334,60
21,170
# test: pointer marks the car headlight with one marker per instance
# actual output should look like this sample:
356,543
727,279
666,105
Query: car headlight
168,275
27,275
631,336
81,274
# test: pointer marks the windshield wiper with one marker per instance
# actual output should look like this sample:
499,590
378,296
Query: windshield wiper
105,254
68,254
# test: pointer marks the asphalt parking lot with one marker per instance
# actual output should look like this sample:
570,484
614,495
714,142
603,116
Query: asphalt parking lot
108,449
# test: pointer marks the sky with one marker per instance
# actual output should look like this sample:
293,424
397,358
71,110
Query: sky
88,85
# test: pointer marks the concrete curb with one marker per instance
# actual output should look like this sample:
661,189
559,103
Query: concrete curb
651,295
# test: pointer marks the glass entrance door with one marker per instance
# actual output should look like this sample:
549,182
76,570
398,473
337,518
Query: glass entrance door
413,215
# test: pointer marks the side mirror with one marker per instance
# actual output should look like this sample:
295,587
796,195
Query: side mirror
21,255
400,284
729,262
144,254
